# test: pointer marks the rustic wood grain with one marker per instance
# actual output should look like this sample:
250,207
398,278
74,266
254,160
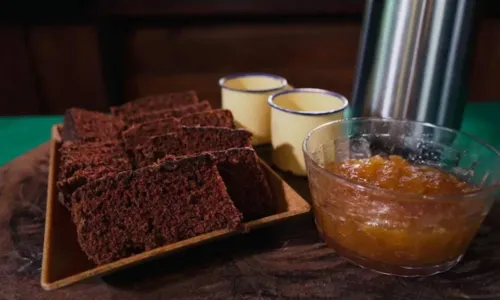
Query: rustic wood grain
288,261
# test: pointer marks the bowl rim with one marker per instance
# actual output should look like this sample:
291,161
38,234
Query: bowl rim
342,98
391,193
223,80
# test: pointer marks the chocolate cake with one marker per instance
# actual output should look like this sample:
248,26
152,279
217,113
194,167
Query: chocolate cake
168,113
74,147
156,171
135,211
81,124
68,185
215,118
139,133
72,163
83,162
189,141
154,103
245,181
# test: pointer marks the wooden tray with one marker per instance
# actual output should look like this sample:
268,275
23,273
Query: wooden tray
64,263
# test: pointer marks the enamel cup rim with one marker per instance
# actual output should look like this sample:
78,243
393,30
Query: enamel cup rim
223,80
340,97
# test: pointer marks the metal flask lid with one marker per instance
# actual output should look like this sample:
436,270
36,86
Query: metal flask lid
413,60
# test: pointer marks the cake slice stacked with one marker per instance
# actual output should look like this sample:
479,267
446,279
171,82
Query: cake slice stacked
82,162
139,133
135,211
189,141
155,103
167,113
244,179
85,125
217,118
163,169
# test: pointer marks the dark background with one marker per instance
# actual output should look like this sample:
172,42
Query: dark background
92,54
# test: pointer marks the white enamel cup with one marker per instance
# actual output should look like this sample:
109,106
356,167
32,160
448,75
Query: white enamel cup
246,95
294,113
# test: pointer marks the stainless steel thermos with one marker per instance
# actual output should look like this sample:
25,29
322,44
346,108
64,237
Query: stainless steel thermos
413,60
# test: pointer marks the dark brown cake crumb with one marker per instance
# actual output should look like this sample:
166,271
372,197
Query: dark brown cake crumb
139,133
70,164
135,211
78,156
155,103
214,118
189,141
245,181
83,162
68,185
81,124
168,113
74,147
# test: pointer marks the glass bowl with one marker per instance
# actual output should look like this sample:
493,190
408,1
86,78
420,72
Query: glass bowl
394,232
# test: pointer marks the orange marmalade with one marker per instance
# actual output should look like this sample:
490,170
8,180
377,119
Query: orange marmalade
383,225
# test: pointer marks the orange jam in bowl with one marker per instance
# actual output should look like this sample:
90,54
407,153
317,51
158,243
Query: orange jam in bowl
389,215
389,228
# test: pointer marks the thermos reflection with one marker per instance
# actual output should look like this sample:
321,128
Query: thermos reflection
413,60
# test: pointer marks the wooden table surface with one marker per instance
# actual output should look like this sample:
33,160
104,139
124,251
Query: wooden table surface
288,261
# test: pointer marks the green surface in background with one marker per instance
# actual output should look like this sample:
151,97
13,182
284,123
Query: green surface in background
483,121
21,134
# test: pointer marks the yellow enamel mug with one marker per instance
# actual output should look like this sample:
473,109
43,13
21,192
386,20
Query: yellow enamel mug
294,113
245,95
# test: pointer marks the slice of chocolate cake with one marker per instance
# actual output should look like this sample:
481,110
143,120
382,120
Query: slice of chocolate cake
68,185
132,212
72,163
245,181
74,147
81,124
214,118
139,133
155,103
189,141
82,162
168,113
77,156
